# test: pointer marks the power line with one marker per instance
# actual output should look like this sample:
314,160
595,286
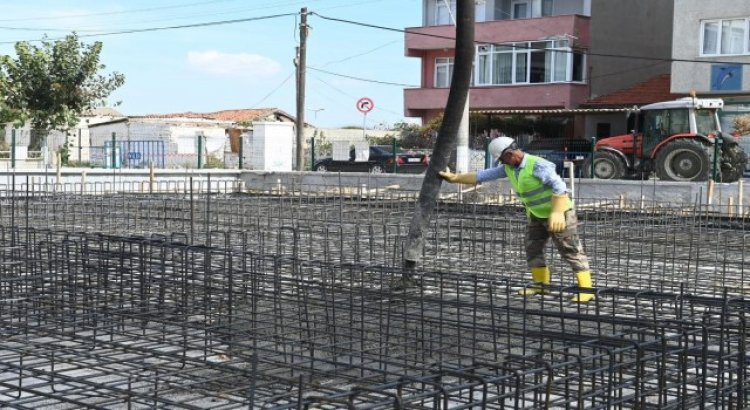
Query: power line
111,13
671,60
161,19
362,79
150,29
360,54
353,98
274,90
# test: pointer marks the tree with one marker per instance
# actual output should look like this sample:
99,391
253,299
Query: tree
51,85
446,139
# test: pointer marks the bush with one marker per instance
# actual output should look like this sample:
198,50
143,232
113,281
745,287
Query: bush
742,124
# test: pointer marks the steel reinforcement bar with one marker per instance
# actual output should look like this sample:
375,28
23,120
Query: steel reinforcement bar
108,321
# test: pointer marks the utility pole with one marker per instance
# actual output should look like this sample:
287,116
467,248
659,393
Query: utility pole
301,64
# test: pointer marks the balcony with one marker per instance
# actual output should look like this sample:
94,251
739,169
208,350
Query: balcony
422,39
418,101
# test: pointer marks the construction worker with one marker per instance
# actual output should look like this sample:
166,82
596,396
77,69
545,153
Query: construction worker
548,208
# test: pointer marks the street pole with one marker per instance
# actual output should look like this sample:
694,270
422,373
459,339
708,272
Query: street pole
301,63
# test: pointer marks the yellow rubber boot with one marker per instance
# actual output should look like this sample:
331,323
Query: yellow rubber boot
540,276
584,281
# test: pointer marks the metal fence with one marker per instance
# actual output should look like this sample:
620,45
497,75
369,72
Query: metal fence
129,154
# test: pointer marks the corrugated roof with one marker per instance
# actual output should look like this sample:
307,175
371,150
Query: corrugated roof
548,111
656,89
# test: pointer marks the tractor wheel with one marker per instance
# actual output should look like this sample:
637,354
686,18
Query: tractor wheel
607,165
733,161
683,160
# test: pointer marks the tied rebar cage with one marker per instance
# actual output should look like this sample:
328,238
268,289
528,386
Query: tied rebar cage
283,300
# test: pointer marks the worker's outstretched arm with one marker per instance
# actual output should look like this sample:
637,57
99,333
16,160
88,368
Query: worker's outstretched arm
469,178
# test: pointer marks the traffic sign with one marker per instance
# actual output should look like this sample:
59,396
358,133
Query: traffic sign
365,105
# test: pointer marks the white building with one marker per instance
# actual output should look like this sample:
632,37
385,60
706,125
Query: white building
162,142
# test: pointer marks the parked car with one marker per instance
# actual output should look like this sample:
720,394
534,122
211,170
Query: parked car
380,161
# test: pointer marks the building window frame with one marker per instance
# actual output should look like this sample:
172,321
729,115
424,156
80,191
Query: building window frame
717,46
443,64
515,3
558,67
442,13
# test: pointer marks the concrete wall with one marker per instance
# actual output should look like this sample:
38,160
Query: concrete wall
687,76
587,191
628,27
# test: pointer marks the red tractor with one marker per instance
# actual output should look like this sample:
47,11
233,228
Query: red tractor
676,140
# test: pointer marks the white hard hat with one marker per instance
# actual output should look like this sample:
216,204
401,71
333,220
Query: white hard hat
499,145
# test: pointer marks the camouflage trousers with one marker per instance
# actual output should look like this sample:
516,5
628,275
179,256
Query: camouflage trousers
567,243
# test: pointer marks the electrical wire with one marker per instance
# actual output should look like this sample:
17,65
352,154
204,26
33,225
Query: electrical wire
151,29
112,13
353,98
277,88
372,50
572,51
351,77
163,19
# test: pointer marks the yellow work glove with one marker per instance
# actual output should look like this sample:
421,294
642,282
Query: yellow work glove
557,216
469,178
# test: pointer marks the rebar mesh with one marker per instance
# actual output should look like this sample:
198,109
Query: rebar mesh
282,300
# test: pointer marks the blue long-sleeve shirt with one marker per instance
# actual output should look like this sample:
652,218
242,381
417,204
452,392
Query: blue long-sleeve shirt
543,169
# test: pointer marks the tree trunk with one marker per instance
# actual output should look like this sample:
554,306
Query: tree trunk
446,140
37,138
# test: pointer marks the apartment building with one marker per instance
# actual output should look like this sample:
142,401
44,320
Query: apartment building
711,47
533,56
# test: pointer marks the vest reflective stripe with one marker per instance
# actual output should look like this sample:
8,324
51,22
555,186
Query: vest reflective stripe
534,192
536,197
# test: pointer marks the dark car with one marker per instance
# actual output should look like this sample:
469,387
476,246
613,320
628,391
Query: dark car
380,161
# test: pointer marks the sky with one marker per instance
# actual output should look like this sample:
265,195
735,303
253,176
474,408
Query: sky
240,65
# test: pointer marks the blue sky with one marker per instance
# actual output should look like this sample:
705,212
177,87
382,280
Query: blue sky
242,65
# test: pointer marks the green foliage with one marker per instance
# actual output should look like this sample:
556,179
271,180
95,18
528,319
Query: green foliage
384,140
64,152
213,161
52,84
418,137
323,147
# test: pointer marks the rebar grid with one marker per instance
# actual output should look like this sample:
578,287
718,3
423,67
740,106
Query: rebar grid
105,321
659,247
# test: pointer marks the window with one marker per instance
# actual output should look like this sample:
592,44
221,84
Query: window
546,7
725,37
503,66
443,72
521,9
443,13
528,62
705,121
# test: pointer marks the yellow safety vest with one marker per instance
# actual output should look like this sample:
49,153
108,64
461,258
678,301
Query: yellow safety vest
535,196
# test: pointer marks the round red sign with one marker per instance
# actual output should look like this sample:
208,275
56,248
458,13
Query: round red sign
365,105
